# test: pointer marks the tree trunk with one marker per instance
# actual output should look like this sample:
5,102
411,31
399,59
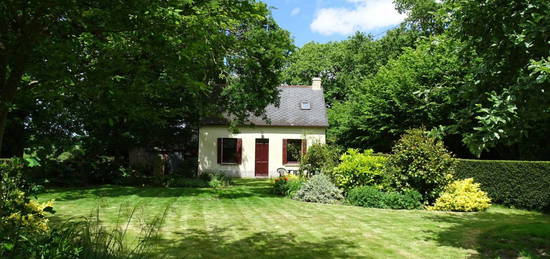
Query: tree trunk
3,121
8,89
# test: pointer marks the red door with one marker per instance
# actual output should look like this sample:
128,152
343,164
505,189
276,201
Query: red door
262,157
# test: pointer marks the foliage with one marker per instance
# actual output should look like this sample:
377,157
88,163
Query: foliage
422,15
366,196
319,189
372,197
462,195
287,185
216,179
421,163
92,79
23,221
477,78
78,171
343,65
98,241
505,76
410,91
359,169
319,158
507,91
521,184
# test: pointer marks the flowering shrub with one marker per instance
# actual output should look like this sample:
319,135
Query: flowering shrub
32,217
463,195
287,185
22,221
359,169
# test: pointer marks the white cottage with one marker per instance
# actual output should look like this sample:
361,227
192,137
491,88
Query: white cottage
259,149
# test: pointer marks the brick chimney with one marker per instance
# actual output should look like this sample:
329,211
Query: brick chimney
316,83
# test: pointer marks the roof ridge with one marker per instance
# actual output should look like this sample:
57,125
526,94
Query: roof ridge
296,86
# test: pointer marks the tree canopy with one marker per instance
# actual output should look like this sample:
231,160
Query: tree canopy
115,74
474,73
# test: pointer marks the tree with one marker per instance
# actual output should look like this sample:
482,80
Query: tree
344,65
316,60
505,115
508,98
123,72
416,89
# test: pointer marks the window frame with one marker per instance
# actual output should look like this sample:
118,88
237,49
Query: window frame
237,156
303,150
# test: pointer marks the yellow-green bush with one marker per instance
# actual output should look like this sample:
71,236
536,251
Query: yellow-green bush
31,217
358,169
462,195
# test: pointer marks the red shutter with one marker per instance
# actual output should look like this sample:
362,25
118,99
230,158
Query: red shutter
239,151
285,160
304,146
219,153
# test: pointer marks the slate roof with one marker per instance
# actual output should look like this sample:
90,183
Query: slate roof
289,112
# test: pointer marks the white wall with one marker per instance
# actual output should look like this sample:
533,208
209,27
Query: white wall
208,151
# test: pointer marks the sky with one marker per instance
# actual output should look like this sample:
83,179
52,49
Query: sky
334,20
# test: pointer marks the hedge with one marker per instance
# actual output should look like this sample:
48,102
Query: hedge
520,184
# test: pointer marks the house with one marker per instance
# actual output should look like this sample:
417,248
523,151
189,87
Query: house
261,147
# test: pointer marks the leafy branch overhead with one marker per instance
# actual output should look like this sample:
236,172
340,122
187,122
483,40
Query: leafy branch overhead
116,73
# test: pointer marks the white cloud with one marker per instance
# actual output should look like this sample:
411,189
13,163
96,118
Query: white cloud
366,15
295,11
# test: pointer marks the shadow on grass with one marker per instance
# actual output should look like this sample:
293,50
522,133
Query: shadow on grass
496,235
217,243
242,188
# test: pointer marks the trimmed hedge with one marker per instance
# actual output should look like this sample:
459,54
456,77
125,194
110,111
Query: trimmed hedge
520,184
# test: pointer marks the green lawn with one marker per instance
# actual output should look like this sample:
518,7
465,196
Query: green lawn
247,221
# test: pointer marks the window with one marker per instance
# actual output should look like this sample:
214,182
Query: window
229,150
305,105
293,149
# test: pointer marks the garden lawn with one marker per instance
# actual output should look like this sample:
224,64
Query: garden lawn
246,220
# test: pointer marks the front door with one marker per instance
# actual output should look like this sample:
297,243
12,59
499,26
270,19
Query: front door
262,157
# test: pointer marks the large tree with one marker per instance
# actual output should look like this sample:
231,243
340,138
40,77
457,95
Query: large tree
414,90
117,73
344,65
497,83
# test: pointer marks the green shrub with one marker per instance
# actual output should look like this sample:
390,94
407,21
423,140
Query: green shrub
520,184
366,196
219,179
462,195
287,185
372,197
359,169
408,199
320,158
78,171
421,163
319,189
293,186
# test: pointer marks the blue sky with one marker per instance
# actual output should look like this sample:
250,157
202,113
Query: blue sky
333,20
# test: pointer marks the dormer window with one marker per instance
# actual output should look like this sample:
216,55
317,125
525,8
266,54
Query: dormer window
305,105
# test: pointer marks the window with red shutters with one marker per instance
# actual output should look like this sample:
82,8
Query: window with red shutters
293,149
229,151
